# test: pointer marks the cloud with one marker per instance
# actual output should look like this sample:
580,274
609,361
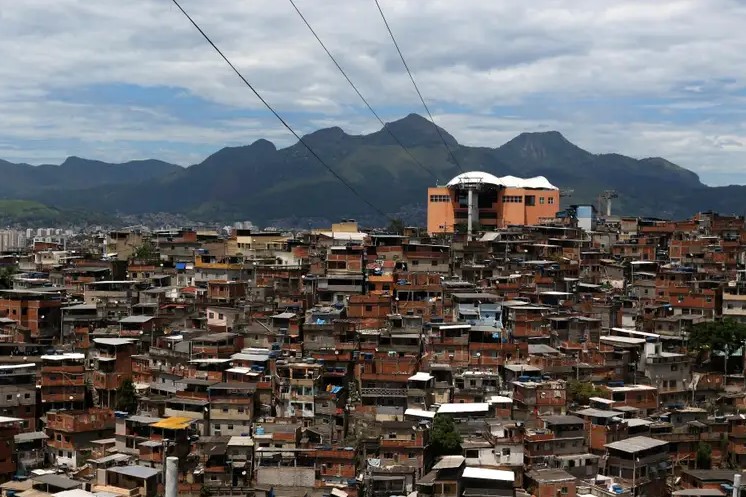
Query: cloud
633,77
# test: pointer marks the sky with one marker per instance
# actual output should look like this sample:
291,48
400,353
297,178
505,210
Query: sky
116,81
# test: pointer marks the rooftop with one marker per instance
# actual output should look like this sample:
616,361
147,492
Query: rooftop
488,474
135,471
636,444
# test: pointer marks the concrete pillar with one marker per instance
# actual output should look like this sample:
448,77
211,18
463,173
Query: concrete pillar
469,214
737,485
172,476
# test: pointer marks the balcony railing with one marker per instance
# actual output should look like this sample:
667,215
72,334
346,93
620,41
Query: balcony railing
399,443
383,392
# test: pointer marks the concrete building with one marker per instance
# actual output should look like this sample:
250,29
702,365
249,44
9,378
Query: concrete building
479,198
63,381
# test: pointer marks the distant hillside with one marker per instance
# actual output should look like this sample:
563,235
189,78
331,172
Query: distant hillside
29,213
75,173
265,184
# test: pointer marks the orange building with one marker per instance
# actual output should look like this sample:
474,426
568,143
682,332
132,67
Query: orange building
494,202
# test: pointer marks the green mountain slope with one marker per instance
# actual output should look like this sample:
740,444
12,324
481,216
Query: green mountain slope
29,213
266,184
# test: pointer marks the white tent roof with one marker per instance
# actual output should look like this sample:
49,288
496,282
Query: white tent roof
506,181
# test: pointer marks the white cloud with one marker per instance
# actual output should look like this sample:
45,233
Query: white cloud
545,58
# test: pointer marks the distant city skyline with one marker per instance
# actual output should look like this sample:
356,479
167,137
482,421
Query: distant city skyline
120,81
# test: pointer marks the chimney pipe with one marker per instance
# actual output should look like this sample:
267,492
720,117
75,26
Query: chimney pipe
737,485
172,471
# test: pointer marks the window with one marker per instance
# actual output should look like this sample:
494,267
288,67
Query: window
550,200
220,316
530,200
506,451
368,308
211,315
541,200
440,198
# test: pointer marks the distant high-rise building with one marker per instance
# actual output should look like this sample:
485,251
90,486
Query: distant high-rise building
12,240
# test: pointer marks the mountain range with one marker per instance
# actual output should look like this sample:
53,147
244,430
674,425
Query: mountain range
288,186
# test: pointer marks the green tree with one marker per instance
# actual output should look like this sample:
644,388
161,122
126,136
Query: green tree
127,397
704,456
724,336
444,438
396,226
146,252
580,392
6,277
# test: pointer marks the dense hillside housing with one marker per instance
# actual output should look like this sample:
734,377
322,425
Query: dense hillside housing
530,355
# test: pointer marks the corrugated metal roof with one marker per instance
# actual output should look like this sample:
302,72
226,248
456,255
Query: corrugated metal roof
135,471
173,423
449,462
463,408
636,444
488,474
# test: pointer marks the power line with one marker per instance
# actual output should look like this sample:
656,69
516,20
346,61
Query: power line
272,110
365,101
417,89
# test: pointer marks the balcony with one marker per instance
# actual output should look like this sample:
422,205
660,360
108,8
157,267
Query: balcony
91,420
63,397
667,359
387,377
334,454
463,340
396,443
107,381
58,381
296,396
383,392
539,437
